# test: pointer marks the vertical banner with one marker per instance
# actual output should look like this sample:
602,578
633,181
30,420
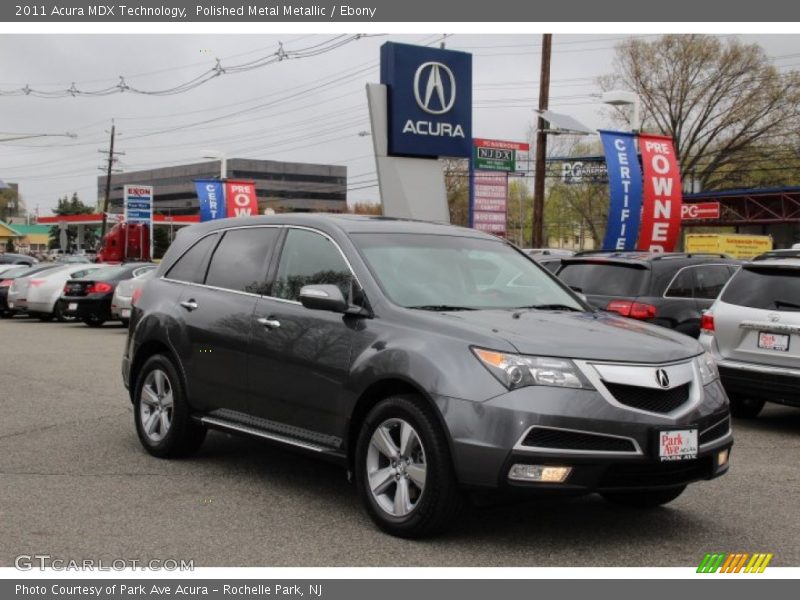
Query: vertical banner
240,198
625,189
211,198
490,199
661,216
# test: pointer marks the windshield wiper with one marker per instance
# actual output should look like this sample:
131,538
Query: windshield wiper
440,307
551,307
785,304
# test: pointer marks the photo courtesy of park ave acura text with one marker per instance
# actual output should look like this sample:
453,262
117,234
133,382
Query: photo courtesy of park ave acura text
284,299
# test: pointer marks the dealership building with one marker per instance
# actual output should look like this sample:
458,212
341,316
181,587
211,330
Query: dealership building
281,186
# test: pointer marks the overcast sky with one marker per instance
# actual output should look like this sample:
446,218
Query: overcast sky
310,109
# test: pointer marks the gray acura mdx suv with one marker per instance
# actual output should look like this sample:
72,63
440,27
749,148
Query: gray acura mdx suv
429,360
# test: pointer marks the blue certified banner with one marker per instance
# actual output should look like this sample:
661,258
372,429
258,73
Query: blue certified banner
625,188
429,93
212,199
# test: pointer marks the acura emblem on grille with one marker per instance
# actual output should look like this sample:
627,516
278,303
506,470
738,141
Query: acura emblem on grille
662,378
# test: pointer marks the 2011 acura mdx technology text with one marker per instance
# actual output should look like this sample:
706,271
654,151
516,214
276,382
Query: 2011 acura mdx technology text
430,360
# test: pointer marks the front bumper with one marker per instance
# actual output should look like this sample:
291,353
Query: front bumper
487,438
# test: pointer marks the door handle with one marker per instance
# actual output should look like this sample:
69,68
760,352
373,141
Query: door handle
189,305
269,323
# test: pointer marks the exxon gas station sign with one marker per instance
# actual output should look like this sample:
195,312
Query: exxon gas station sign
429,93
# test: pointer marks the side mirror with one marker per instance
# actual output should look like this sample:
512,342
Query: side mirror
323,297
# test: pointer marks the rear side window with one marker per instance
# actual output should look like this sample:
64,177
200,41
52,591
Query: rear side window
605,279
776,288
191,267
682,286
309,258
240,261
710,280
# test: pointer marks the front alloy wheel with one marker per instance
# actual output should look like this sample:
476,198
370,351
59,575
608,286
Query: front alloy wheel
403,468
396,467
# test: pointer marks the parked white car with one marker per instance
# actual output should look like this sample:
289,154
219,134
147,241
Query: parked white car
121,301
38,294
753,332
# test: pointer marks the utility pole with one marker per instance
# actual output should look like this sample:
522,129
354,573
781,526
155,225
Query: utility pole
537,236
109,169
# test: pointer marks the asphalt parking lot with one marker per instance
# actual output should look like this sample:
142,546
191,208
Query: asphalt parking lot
75,484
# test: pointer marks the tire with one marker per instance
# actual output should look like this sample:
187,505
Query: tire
58,313
645,499
94,321
746,408
6,314
171,433
125,322
430,498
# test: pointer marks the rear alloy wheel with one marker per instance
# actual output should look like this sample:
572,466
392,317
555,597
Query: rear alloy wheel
746,408
58,313
403,469
163,423
94,321
646,498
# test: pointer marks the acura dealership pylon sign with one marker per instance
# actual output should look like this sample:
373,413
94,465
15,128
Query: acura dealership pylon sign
429,100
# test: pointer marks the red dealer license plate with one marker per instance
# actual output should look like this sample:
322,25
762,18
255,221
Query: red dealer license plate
677,444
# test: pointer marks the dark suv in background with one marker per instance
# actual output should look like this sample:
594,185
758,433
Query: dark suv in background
426,359
667,289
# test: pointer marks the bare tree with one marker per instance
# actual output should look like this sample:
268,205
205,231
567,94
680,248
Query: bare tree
722,102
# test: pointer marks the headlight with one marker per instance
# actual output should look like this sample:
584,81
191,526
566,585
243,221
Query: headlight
707,367
516,371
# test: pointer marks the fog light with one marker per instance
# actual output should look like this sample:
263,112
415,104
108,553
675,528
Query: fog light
543,473
722,458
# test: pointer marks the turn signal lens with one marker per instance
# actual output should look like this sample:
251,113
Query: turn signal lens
540,473
722,458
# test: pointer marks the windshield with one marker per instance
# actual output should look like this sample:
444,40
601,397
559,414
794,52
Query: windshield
448,272
765,287
604,279
108,274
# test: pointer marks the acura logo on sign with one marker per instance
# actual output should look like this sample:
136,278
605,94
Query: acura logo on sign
429,88
662,378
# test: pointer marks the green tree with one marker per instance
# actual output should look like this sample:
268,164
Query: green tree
520,211
456,182
72,206
724,103
11,204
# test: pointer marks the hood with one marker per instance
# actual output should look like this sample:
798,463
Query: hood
588,336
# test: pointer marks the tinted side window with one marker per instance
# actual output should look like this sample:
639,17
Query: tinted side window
710,279
240,261
683,285
605,279
309,258
191,267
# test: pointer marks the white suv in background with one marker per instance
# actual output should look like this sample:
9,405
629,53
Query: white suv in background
753,332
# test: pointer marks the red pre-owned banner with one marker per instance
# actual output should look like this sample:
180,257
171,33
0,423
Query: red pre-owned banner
240,198
661,208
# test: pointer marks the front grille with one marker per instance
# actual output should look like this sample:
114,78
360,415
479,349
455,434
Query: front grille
649,399
719,430
656,474
576,440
